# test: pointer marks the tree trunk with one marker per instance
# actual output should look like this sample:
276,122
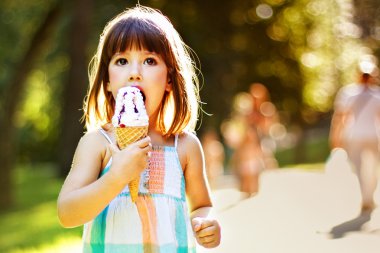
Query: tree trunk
76,86
11,98
365,16
6,156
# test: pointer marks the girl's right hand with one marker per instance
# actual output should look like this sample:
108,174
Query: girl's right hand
128,163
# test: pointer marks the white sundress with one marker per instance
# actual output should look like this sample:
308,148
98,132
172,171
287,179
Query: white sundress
158,222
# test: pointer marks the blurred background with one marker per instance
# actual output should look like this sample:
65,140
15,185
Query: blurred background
301,51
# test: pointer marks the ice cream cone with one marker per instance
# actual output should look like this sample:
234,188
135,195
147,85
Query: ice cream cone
124,137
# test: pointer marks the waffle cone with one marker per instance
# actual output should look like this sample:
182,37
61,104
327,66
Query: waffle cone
124,137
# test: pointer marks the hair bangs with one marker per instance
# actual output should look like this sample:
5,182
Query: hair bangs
138,34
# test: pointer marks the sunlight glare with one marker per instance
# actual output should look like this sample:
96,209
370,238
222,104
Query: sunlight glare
264,11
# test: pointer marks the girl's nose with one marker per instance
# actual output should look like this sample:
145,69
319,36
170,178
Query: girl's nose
134,77
134,73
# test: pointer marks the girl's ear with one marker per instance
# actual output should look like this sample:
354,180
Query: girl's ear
169,87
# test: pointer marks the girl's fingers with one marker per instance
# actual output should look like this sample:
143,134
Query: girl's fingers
207,240
210,244
200,223
205,232
144,142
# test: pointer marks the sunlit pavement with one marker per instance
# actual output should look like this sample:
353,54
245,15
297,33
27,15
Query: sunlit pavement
296,211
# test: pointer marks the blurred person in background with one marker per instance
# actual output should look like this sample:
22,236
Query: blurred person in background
264,118
355,127
254,116
214,156
248,162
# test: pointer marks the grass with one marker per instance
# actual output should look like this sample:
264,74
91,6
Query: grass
314,151
32,224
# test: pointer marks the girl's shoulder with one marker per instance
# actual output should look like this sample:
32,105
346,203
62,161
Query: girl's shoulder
93,137
191,156
189,148
94,142
188,139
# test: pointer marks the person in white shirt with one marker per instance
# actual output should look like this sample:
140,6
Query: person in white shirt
355,127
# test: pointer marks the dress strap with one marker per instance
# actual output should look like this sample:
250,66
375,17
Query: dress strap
175,140
106,135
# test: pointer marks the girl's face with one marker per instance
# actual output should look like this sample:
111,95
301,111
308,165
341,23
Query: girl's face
144,69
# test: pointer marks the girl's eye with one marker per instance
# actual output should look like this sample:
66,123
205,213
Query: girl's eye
150,61
122,61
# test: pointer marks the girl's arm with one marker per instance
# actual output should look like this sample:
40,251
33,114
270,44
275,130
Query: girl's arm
205,227
83,196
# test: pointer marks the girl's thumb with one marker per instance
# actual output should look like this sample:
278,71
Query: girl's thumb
196,223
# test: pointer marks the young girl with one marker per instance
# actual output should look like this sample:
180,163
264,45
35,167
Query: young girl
140,47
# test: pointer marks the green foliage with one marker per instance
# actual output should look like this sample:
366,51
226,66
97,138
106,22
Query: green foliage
38,111
32,222
38,118
19,20
316,150
303,51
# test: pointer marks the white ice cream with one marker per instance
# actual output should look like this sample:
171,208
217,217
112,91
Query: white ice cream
130,108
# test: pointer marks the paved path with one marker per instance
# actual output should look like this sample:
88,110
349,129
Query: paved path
296,212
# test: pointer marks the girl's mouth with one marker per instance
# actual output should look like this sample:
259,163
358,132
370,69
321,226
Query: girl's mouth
142,92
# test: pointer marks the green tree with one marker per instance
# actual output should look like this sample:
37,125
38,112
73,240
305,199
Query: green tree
76,85
11,94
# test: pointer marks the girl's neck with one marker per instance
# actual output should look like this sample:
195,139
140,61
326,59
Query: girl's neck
158,139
